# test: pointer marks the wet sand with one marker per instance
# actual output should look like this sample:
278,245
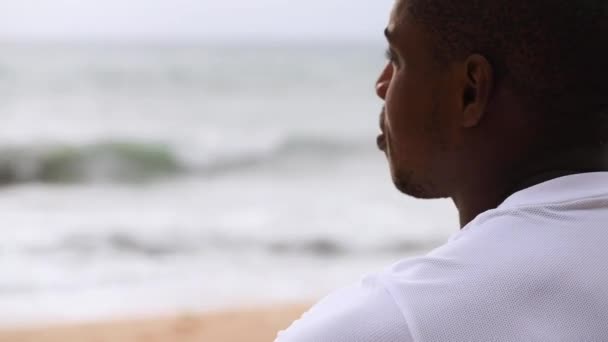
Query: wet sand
252,325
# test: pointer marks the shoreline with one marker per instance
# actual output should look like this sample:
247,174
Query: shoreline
253,325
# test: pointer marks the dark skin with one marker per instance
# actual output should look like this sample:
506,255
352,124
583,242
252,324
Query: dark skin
453,130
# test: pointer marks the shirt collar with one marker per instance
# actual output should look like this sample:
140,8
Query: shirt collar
561,189
566,188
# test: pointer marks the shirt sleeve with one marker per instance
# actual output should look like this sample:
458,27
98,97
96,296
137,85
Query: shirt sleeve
364,312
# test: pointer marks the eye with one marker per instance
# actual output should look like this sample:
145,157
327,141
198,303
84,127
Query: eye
391,56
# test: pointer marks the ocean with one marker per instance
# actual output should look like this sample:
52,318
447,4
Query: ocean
153,180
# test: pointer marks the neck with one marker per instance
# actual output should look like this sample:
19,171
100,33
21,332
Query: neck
484,194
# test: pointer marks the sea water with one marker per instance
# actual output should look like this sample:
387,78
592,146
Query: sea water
152,180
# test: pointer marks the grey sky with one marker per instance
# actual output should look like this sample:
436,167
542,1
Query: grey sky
193,19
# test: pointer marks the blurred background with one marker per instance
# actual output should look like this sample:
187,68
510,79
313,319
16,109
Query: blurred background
160,157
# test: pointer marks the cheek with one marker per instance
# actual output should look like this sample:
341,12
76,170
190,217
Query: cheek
408,109
395,103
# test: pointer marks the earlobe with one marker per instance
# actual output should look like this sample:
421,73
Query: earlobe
477,89
473,113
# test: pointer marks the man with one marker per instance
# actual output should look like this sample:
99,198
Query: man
502,106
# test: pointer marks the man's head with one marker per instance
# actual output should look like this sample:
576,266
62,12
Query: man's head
478,89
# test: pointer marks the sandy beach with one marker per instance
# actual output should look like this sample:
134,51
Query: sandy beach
253,325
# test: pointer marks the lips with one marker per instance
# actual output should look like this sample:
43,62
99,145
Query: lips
381,140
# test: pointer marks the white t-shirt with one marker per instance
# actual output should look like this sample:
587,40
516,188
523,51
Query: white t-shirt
533,269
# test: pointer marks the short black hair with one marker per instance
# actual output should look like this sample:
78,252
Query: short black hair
553,53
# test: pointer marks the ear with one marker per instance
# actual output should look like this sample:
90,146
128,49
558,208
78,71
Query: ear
479,81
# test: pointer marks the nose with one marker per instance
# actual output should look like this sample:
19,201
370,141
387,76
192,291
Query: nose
384,80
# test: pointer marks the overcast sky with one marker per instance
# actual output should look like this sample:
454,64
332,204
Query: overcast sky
198,20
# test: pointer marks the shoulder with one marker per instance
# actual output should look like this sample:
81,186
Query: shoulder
362,312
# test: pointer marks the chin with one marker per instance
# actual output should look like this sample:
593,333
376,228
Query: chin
409,184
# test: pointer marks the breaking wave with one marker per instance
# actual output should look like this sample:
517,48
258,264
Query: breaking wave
118,161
